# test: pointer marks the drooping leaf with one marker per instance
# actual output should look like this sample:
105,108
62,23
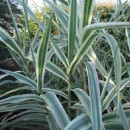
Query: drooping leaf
56,109
52,123
9,42
20,77
84,99
95,103
60,54
117,61
81,122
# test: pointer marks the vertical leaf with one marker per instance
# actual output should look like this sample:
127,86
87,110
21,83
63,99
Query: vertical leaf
128,37
72,30
87,12
41,54
26,18
117,61
96,110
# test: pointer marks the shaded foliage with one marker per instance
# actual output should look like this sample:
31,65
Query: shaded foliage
5,19
6,23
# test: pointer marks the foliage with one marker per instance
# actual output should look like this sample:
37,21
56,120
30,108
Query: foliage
91,96
107,13
5,19
33,26
6,23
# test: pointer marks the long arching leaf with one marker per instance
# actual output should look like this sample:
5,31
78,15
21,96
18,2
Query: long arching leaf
56,109
117,60
56,70
9,42
81,52
20,77
95,103
81,122
84,99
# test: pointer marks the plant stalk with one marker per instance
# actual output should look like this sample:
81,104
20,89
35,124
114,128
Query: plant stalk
69,93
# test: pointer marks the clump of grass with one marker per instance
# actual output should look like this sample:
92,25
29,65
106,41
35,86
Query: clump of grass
69,55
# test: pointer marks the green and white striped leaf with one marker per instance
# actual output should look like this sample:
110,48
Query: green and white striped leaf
111,95
81,122
128,37
56,109
93,57
113,126
98,26
20,98
22,106
52,123
26,120
33,110
10,43
104,90
123,118
16,89
41,55
96,111
117,60
88,7
56,92
26,18
84,99
78,106
56,71
34,41
15,25
20,77
113,116
72,30
81,52
60,54
3,76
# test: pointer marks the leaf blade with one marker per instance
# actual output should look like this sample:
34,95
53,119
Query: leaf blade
56,109
41,55
96,110
72,30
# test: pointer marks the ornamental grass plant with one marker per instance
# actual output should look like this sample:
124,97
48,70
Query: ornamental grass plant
63,82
